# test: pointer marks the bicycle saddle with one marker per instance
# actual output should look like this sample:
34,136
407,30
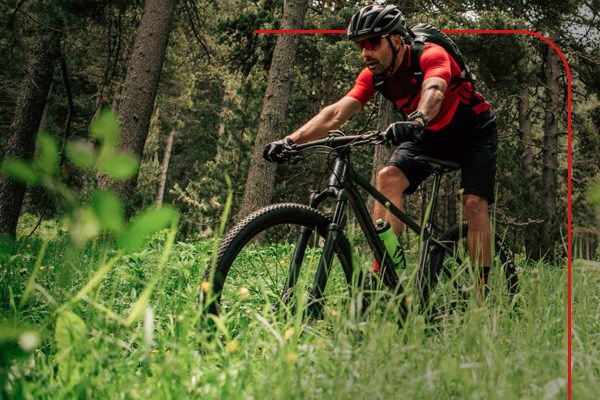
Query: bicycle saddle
438,164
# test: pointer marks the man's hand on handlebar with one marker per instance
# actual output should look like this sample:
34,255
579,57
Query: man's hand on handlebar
403,131
274,151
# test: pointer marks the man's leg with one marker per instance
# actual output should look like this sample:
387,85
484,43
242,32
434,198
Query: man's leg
391,182
479,236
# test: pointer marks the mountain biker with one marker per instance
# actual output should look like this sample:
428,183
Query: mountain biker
447,119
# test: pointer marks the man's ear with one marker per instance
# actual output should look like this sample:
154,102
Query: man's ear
397,41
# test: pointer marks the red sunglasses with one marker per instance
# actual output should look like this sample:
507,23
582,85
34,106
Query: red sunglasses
371,43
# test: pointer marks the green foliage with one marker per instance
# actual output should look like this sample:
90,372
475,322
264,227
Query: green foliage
145,224
132,328
236,32
21,171
103,212
118,166
70,335
594,194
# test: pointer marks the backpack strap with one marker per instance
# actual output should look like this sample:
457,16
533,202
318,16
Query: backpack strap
379,84
416,50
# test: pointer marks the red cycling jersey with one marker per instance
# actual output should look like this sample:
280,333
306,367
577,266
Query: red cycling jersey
461,102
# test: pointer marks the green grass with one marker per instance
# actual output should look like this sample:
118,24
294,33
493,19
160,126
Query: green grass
95,324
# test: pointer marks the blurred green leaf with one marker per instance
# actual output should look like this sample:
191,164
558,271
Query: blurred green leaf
70,334
81,153
120,166
47,158
85,225
21,171
108,210
145,224
106,128
70,331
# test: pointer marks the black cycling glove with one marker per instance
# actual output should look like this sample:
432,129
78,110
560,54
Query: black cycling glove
273,152
403,131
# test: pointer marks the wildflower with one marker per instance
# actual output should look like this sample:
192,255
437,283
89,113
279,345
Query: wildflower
42,268
244,292
232,346
291,357
205,286
289,333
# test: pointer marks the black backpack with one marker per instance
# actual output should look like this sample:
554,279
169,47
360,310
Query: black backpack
418,35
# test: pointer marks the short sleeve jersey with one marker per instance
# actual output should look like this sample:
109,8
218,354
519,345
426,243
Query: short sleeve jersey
461,102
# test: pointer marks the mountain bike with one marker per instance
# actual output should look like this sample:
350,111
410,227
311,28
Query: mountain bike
289,256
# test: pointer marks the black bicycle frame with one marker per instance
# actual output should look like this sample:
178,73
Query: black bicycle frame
343,186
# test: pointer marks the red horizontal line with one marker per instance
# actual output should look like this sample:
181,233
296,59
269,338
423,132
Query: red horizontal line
300,31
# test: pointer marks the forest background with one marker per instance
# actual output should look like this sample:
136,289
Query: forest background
190,80
197,94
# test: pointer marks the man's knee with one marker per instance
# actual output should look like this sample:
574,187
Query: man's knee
475,207
391,177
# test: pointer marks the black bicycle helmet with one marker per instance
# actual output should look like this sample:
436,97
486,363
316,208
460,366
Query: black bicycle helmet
376,20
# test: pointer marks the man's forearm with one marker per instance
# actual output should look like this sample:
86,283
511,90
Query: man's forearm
330,118
432,95
318,127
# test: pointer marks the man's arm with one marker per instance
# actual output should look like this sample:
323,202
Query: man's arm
329,118
432,95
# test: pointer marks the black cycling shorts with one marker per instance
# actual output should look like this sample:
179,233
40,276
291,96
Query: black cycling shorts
475,152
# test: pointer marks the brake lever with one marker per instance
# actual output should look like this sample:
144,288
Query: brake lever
380,139
292,155
295,159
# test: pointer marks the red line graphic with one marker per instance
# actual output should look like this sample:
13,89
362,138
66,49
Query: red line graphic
569,152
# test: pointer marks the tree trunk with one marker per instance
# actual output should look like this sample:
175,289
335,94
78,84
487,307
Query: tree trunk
164,168
550,155
141,83
526,135
26,121
381,154
261,175
532,236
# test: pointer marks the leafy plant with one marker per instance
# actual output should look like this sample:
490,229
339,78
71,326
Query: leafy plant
103,212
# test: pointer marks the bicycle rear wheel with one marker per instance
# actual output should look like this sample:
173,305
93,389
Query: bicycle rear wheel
253,271
449,282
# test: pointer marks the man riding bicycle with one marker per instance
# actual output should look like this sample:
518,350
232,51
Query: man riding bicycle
447,119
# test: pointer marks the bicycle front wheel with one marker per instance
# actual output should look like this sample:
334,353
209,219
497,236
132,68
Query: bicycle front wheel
268,262
449,282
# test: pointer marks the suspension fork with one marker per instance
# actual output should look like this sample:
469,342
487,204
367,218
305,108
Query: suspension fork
334,189
334,231
301,244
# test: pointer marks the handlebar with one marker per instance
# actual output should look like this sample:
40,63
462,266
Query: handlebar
293,153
